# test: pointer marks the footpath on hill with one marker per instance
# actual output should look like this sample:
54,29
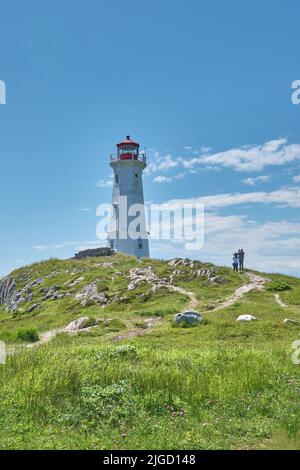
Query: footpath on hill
257,283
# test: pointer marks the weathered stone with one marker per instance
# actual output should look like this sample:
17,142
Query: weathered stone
76,282
51,293
90,295
246,318
289,321
7,289
216,280
188,318
79,324
107,265
33,307
140,275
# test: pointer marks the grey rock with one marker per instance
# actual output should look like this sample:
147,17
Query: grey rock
7,289
90,295
143,275
289,321
246,318
52,293
76,282
79,324
216,280
188,318
33,307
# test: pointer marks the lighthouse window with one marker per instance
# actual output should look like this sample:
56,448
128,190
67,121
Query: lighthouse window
117,179
136,175
140,245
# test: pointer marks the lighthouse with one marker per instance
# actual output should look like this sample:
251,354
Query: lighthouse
127,231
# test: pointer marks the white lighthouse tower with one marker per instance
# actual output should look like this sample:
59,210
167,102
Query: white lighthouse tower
128,232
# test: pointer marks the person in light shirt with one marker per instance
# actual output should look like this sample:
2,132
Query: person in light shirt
235,262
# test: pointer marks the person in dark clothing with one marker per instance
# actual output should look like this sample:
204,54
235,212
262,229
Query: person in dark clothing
235,262
241,257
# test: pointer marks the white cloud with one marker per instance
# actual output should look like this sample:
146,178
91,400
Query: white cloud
168,179
252,181
158,162
272,246
285,197
269,246
104,184
255,157
41,247
296,179
247,158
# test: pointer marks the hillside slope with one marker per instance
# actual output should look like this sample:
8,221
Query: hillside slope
129,378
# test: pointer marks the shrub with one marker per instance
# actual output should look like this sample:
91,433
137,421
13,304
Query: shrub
30,335
278,286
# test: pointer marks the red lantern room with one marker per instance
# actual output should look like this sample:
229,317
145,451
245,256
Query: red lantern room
128,149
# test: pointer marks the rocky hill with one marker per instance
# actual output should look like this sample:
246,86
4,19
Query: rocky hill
96,360
116,284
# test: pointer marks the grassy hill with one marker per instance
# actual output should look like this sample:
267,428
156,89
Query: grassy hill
130,379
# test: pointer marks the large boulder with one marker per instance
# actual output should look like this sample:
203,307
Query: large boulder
246,318
188,318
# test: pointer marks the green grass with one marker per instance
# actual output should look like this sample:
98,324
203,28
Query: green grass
29,335
221,385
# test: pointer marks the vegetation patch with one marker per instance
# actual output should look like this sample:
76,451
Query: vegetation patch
29,335
278,286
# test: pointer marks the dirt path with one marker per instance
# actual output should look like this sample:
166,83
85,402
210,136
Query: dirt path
48,336
193,299
256,283
279,301
149,323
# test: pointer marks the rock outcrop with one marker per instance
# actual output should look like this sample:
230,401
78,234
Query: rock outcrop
23,295
79,324
90,295
140,275
7,289
195,270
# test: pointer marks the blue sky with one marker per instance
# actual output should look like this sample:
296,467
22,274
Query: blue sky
205,85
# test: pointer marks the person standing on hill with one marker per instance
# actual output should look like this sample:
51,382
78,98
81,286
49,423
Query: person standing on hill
235,262
241,256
